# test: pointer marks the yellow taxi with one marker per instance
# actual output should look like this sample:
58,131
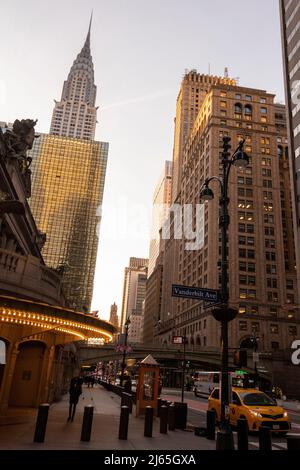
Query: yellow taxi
254,406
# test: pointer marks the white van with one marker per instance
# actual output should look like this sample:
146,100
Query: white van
205,382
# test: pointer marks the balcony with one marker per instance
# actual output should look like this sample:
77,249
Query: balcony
26,277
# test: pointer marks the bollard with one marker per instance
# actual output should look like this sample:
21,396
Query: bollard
293,442
242,433
41,423
163,419
126,400
124,418
265,440
181,411
171,417
210,425
159,403
148,421
87,423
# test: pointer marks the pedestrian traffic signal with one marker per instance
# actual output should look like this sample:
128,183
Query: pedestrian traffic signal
240,358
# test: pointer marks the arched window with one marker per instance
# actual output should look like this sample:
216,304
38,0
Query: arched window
198,342
238,108
280,151
248,109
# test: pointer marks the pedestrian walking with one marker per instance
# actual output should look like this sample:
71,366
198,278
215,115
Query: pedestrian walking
127,385
75,391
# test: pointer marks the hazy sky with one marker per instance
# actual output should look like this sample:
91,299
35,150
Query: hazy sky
140,50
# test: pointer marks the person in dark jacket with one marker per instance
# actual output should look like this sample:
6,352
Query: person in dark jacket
127,385
75,391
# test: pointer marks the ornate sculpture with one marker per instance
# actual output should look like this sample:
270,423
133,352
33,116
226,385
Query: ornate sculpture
14,145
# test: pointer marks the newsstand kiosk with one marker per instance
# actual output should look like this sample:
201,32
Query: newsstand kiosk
148,385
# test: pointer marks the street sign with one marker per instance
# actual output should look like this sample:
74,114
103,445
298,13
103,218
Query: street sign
177,340
208,295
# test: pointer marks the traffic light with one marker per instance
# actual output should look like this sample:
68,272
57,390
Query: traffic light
240,358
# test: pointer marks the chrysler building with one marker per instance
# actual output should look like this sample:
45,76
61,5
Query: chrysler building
75,115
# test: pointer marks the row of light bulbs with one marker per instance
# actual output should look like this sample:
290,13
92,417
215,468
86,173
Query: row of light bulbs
34,319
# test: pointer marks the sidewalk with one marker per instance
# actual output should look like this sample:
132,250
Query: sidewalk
63,435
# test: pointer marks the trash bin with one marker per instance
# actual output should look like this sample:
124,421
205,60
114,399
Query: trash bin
180,415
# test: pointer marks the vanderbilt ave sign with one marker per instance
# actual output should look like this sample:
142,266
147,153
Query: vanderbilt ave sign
208,295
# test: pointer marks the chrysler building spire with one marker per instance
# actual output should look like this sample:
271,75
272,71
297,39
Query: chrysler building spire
75,114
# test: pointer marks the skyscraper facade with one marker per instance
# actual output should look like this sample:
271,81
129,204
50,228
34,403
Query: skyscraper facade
290,33
75,115
67,192
113,317
193,89
161,204
134,291
262,275
192,93
68,169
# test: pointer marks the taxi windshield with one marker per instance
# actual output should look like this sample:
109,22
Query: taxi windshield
257,399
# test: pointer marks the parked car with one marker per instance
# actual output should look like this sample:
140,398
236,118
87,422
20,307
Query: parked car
253,405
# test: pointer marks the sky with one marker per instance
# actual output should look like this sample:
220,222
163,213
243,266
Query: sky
140,51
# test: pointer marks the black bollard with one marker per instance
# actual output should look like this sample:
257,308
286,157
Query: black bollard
171,417
41,423
210,425
293,442
148,421
163,419
87,423
242,433
124,418
126,400
159,403
265,440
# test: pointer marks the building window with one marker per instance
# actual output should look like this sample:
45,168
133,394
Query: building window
263,110
248,98
274,345
242,309
242,240
274,329
272,282
273,311
242,325
267,183
289,284
293,330
223,104
242,266
271,268
272,296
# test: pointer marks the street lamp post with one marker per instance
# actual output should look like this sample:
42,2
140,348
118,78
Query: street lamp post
254,340
224,314
183,367
123,365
